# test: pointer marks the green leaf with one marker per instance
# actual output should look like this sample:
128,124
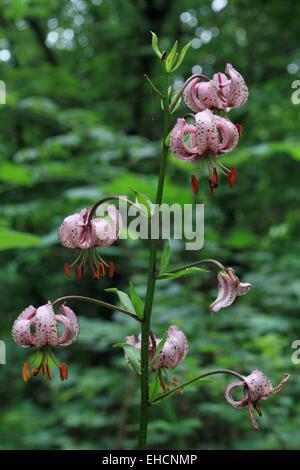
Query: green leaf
178,103
136,301
144,202
12,239
181,56
159,348
165,257
155,45
124,299
133,356
181,272
15,174
154,386
171,56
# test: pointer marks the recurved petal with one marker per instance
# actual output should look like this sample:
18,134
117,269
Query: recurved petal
229,135
222,87
192,97
67,232
178,146
21,333
174,350
28,313
238,93
259,386
251,417
179,337
85,236
71,324
243,288
207,134
281,384
227,292
46,326
107,231
243,403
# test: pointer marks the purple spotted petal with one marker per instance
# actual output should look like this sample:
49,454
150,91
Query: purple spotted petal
21,330
200,95
67,232
207,134
174,350
258,385
46,333
239,93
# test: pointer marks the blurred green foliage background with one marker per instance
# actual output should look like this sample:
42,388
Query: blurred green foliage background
81,123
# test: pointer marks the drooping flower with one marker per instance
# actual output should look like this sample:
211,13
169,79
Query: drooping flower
224,91
38,328
256,387
205,140
173,352
82,232
229,288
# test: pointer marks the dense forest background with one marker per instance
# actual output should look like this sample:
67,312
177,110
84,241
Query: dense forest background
80,123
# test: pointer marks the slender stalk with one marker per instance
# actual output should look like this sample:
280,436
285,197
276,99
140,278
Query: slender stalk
107,199
195,263
199,377
96,302
145,330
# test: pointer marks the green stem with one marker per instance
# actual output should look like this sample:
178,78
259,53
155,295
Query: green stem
199,377
195,263
145,330
107,199
96,302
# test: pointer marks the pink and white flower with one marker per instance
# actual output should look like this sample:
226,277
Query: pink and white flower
173,352
38,328
208,138
224,91
229,288
85,233
256,387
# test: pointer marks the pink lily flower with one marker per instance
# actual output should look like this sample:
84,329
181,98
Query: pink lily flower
173,352
229,288
81,231
38,328
207,139
256,387
224,91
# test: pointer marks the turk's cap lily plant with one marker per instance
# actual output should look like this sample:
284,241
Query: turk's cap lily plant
256,387
37,328
229,288
206,140
225,91
82,232
173,352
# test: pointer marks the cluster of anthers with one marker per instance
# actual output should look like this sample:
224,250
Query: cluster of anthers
207,135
